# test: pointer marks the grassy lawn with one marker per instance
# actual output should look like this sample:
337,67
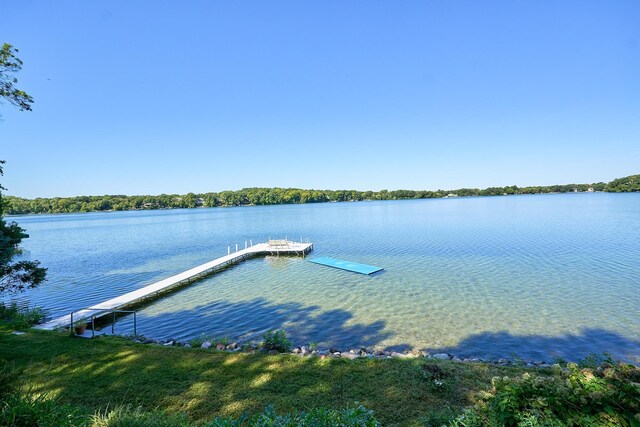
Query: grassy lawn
110,371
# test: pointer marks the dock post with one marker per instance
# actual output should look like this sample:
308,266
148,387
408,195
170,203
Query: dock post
250,242
236,247
71,325
135,329
229,250
113,325
245,244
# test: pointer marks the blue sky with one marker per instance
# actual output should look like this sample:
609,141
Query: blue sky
169,97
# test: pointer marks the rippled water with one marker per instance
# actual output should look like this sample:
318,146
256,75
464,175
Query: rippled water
536,276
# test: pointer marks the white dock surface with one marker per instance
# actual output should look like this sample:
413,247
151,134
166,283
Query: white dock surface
122,301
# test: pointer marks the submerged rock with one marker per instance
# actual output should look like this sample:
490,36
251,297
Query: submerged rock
205,344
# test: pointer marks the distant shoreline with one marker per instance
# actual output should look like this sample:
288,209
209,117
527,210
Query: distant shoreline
289,204
284,196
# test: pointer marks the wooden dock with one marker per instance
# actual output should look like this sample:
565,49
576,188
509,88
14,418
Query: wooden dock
154,290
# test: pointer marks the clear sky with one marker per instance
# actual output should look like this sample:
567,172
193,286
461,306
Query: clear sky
150,97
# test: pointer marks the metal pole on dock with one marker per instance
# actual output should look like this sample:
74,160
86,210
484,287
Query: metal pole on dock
250,242
229,250
236,247
245,244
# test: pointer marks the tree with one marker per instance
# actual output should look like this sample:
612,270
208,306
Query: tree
22,274
10,64
15,276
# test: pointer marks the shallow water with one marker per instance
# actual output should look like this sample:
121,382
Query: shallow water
536,276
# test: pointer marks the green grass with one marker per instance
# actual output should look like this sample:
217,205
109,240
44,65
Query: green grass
203,384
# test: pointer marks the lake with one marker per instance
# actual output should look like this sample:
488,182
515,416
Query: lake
539,276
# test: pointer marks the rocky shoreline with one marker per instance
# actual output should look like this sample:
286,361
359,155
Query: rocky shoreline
362,353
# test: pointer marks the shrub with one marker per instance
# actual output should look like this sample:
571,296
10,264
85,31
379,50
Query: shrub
21,317
198,341
357,416
606,395
277,340
595,361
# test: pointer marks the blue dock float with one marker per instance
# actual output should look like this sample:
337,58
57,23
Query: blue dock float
346,265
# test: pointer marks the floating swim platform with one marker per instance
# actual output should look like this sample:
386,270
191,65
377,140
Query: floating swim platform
346,265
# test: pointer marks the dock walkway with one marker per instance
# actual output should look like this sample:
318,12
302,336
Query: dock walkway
277,247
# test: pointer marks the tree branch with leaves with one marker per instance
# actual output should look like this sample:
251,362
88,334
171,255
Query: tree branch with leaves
16,273
15,276
9,65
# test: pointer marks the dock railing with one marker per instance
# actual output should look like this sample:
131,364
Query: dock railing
102,313
278,244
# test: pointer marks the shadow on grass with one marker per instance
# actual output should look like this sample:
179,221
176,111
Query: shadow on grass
570,347
204,383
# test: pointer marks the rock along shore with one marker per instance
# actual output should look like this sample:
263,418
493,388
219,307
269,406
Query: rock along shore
313,351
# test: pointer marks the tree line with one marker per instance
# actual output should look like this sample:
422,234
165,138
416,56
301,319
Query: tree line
276,196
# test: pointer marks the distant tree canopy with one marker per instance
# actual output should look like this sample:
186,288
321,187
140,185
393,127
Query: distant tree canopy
624,185
9,65
277,196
